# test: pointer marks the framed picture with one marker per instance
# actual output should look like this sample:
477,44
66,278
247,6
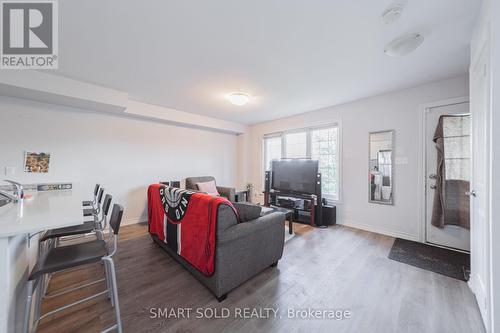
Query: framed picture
36,162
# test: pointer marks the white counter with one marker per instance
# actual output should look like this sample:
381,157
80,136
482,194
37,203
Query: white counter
45,210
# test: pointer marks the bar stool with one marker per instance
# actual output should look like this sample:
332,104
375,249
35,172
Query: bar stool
86,227
94,210
65,257
93,202
51,238
96,226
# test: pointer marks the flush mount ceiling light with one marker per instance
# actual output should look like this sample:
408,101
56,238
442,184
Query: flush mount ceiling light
403,45
393,12
238,98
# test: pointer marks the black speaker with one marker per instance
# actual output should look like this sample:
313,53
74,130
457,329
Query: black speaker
318,213
329,216
318,186
267,181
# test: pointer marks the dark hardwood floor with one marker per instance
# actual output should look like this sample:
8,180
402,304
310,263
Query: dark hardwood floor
335,268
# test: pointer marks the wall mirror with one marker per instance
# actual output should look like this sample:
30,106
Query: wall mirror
381,162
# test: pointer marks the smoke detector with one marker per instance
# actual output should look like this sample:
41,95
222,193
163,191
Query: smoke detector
393,12
403,45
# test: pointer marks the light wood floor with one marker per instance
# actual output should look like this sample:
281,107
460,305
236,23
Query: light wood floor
334,268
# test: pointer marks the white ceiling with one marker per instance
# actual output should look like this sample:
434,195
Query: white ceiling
293,56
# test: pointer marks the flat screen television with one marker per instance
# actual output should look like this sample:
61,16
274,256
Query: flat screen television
294,175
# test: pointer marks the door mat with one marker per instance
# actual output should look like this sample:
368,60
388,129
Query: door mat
435,259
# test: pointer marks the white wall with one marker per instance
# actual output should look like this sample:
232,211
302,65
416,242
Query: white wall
124,155
398,111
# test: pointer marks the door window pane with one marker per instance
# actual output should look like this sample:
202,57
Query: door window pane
456,139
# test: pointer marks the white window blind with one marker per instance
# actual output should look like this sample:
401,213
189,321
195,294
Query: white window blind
296,145
272,151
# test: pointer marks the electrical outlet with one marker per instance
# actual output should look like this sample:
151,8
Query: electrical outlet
10,171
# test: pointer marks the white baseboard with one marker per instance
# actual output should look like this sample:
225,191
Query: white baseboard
383,231
352,224
133,221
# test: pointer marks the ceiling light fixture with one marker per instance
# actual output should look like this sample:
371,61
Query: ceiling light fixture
403,45
394,12
238,98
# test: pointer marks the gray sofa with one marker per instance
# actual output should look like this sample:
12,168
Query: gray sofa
227,192
243,250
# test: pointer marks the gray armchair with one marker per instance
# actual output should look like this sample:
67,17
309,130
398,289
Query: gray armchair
227,192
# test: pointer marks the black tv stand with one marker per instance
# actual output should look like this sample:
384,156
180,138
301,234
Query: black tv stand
311,203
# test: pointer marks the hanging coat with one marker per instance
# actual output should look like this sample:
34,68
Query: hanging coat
451,205
437,219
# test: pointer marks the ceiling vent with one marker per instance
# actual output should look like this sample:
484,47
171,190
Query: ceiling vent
393,12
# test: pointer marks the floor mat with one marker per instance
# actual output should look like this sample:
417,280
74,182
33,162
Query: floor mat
435,259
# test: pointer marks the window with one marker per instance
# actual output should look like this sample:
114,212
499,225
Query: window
296,145
324,149
319,143
272,151
456,139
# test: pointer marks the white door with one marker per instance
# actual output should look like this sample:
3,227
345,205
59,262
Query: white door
480,106
451,235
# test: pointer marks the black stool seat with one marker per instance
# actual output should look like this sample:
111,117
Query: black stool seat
88,212
61,258
87,203
69,231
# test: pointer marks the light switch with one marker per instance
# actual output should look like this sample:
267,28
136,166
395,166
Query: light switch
401,160
10,171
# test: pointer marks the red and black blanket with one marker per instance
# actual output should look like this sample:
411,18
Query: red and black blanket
187,222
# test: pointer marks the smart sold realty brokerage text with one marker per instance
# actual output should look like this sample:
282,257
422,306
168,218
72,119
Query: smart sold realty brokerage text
248,313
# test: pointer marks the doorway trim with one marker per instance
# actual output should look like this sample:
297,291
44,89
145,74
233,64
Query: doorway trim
424,108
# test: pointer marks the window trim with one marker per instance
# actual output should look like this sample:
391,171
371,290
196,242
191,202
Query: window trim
308,130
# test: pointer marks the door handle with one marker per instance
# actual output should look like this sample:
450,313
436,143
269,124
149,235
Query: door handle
471,193
433,187
433,176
